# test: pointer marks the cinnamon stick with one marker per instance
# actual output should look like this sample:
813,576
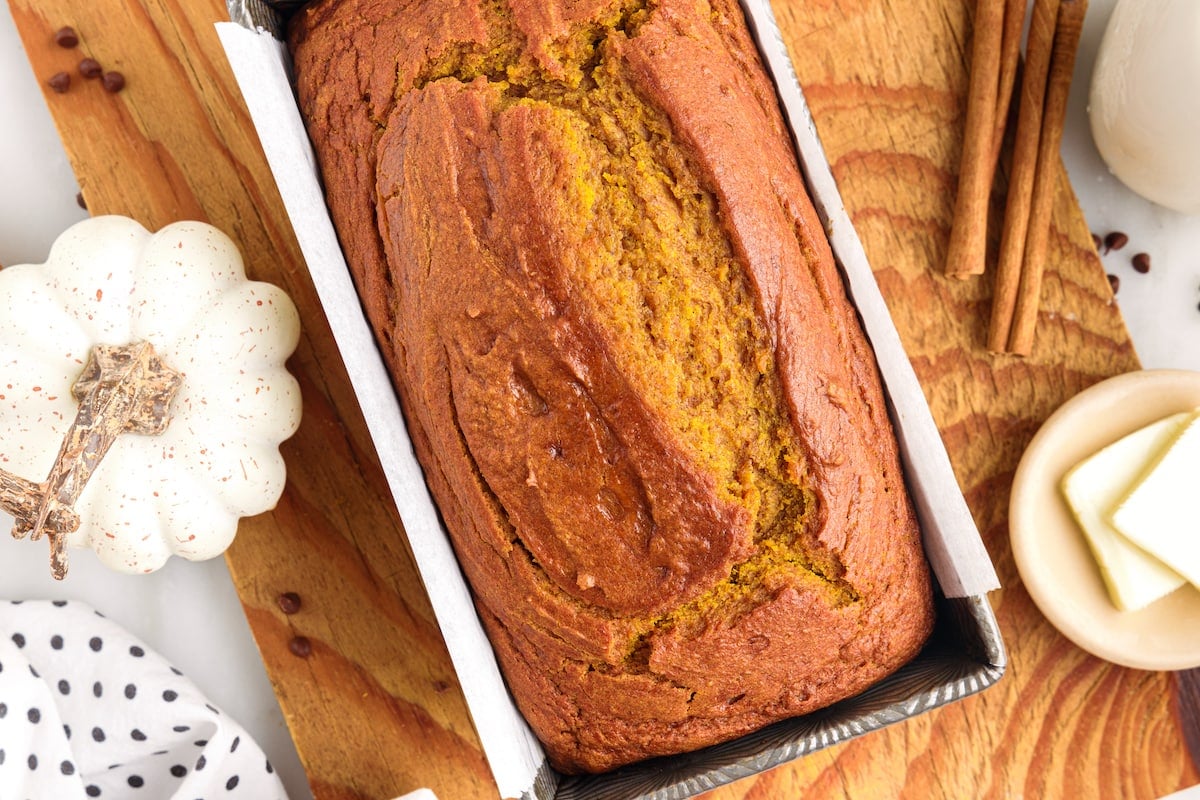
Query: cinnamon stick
1062,65
1038,51
1010,56
967,249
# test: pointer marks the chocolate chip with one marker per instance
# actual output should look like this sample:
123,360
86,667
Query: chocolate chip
1115,241
113,81
300,646
59,82
289,602
1141,262
90,68
80,201
1097,241
1114,282
66,37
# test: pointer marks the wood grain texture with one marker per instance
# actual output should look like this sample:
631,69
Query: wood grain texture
1188,706
375,710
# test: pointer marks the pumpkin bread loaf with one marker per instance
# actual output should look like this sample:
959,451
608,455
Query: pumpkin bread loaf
643,403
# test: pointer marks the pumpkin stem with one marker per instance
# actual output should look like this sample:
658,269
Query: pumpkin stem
21,499
123,389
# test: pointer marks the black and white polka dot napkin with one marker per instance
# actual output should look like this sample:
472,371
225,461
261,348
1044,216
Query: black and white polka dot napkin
88,711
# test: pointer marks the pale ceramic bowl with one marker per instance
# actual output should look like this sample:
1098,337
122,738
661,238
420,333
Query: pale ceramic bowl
1052,556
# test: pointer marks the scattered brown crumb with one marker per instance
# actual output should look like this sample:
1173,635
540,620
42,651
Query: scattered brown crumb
289,602
113,81
300,646
59,82
90,68
66,37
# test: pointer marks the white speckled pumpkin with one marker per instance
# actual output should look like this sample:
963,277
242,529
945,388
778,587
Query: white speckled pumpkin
184,290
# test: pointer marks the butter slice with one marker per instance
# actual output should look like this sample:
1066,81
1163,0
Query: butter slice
1093,488
1161,513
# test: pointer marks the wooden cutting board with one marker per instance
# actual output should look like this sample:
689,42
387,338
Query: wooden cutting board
374,709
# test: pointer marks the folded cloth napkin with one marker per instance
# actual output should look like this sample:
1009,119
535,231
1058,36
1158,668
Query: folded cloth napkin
86,710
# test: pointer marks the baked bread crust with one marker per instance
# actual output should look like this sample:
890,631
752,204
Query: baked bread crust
643,403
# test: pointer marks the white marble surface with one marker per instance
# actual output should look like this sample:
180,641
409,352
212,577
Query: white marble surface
190,612
1162,307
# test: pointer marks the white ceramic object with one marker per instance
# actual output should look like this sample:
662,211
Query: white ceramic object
184,290
1144,103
